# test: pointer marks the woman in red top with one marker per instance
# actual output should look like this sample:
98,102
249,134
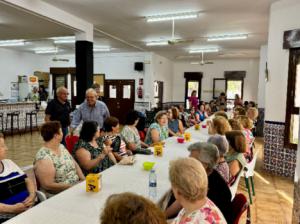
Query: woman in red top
193,99
238,101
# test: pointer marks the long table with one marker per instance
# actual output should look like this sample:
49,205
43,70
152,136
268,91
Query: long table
76,206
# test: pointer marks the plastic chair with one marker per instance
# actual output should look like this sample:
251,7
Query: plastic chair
142,135
252,146
233,188
30,174
248,174
71,140
239,206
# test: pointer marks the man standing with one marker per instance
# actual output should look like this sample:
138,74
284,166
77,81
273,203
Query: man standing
59,109
90,110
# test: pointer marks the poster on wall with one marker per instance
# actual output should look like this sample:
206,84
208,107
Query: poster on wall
14,90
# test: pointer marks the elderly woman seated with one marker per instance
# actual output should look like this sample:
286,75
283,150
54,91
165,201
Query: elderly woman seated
218,190
55,168
130,134
129,208
219,125
222,166
190,185
13,200
235,156
90,152
158,131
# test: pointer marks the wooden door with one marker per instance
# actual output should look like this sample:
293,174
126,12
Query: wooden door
119,96
158,94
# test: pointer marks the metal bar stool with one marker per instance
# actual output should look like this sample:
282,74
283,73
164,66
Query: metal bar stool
10,118
30,115
2,120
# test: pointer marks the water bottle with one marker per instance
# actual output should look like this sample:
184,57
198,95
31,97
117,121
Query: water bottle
152,185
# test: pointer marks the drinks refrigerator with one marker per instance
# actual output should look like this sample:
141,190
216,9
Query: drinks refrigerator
26,85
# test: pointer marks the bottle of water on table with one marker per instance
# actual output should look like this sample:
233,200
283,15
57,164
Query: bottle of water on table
152,185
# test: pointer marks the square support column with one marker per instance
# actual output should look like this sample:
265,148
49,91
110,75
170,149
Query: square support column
84,68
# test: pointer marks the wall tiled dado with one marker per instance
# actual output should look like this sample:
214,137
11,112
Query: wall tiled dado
277,159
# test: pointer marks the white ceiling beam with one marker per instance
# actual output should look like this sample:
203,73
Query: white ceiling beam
82,28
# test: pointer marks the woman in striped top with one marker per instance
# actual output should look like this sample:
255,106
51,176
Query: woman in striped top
17,190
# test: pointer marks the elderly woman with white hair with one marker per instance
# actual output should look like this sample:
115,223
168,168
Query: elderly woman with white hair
190,185
223,146
218,190
90,110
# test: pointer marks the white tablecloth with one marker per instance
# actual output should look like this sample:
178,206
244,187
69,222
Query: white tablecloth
76,206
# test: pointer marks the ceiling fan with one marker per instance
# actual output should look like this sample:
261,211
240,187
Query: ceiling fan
173,40
205,62
202,62
56,59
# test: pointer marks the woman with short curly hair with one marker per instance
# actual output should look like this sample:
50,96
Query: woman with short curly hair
189,184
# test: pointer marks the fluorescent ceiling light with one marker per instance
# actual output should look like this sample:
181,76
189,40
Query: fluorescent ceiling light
7,43
175,16
228,37
195,63
101,48
63,40
157,43
203,50
46,50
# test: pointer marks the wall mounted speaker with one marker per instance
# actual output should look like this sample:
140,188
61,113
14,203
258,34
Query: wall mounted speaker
139,66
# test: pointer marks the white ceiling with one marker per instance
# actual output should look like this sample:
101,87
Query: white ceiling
125,20
18,24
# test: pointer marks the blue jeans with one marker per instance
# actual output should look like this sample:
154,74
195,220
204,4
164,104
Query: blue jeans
65,132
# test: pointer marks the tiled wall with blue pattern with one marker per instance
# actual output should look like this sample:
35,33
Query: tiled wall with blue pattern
277,159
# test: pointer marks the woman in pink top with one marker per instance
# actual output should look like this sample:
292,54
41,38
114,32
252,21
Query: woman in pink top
189,184
193,99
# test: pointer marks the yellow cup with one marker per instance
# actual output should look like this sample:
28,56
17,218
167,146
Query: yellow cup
158,150
197,126
187,136
93,182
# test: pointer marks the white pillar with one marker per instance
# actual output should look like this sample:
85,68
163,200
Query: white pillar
69,86
50,87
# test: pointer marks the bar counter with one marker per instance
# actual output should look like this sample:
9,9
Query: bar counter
23,108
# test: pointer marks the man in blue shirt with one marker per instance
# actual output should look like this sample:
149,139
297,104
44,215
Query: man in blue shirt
90,110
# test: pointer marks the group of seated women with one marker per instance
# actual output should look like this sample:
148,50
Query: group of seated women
200,184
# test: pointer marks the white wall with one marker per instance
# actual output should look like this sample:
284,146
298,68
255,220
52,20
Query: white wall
118,66
262,82
284,16
216,70
121,66
14,63
163,71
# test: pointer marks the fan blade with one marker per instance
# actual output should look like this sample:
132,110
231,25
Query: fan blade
209,62
179,41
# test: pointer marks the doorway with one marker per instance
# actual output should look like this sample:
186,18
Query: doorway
64,77
119,96
158,94
192,82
